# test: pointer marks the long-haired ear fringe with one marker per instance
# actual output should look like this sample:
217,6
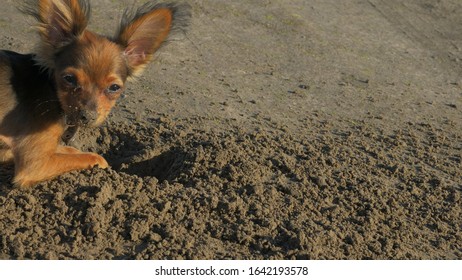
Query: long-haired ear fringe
181,14
59,22
73,13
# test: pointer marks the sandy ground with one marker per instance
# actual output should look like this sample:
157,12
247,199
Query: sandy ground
293,129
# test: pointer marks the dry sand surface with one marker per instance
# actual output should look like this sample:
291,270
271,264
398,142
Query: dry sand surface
298,129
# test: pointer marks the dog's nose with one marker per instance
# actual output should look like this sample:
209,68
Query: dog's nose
87,117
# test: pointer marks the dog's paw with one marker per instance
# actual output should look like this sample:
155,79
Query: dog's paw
97,161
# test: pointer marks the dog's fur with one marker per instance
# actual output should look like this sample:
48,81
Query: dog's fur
73,79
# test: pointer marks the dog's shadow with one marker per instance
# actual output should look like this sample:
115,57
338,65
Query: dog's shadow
166,166
129,156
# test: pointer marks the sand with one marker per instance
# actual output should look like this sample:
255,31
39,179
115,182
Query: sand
271,130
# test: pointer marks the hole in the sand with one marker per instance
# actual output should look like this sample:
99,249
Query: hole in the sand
166,166
132,151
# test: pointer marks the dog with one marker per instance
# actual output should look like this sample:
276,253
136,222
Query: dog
72,80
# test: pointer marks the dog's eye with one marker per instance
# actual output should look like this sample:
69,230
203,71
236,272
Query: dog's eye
113,88
71,80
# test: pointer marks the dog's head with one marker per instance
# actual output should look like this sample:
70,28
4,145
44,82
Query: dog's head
91,70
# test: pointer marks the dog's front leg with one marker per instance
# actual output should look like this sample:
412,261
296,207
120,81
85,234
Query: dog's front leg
67,150
39,157
52,165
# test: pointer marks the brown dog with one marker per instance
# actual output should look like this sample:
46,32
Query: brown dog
73,80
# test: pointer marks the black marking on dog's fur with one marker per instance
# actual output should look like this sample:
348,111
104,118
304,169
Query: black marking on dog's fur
37,101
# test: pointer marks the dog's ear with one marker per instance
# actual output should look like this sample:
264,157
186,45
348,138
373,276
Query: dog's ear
59,21
142,32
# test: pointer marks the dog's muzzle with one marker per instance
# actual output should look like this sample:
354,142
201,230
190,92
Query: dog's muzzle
81,118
